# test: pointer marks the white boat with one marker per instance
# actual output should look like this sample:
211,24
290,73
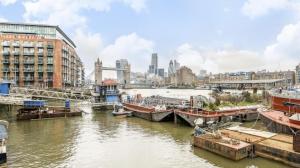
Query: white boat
119,111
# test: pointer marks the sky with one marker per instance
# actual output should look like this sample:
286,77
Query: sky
215,35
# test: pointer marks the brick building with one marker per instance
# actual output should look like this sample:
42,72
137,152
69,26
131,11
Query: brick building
38,55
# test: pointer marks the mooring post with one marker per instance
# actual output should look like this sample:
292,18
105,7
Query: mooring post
175,117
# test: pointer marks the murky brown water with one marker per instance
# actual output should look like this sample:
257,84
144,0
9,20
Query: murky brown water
99,140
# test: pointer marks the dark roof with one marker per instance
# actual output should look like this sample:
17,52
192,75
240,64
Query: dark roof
44,25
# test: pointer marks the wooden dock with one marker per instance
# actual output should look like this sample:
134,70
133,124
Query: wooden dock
224,146
278,147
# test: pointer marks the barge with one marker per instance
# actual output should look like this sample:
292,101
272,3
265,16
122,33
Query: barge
284,115
245,113
224,146
278,147
148,113
36,109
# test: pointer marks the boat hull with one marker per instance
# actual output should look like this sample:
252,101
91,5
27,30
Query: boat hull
273,124
147,113
162,115
31,115
278,104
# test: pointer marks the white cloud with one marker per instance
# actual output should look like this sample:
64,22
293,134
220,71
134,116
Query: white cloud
255,8
284,53
68,12
7,2
217,60
2,19
135,49
89,47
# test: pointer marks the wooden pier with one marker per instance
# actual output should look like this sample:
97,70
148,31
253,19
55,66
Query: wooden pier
277,147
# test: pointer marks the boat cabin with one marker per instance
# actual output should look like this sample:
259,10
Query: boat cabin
107,92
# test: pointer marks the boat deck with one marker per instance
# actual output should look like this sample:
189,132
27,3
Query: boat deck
223,146
269,145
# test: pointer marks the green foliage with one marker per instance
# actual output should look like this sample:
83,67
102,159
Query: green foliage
212,106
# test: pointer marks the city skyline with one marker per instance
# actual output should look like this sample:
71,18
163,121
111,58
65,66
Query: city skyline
218,36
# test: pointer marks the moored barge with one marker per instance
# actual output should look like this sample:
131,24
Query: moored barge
36,109
148,113
245,113
284,115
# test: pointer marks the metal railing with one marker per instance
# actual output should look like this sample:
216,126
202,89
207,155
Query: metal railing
28,62
5,43
5,61
28,53
5,52
28,70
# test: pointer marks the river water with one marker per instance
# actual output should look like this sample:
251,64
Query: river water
99,140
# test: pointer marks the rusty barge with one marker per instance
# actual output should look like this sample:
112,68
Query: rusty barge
245,113
284,115
37,109
237,143
149,113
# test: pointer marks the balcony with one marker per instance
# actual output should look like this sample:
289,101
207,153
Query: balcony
16,52
15,69
40,79
40,61
28,45
15,44
5,61
49,69
5,69
49,46
28,62
50,54
28,53
5,43
49,79
5,52
41,53
28,70
28,78
40,45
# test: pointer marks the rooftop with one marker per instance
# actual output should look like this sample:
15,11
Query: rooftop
41,25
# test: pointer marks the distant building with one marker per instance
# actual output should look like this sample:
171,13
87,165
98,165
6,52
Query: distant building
297,76
154,64
184,76
202,74
173,67
289,76
121,64
176,65
161,72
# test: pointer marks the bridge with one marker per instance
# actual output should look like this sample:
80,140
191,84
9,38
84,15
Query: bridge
49,94
99,68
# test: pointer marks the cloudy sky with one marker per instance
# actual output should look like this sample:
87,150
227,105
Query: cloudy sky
216,35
